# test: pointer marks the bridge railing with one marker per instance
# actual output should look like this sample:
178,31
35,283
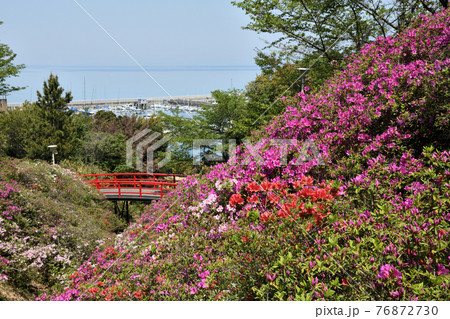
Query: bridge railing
123,184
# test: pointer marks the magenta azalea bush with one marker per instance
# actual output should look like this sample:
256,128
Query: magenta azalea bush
368,219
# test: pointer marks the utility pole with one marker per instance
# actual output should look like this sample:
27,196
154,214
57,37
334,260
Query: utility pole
84,91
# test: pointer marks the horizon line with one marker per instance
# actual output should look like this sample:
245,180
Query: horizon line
131,68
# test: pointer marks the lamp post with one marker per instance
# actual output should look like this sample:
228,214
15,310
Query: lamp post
53,148
304,74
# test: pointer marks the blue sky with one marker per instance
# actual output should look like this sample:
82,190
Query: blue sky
189,47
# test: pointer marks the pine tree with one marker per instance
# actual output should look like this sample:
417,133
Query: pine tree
51,122
8,69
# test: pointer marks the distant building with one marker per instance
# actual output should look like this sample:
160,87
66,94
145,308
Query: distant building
3,105
142,103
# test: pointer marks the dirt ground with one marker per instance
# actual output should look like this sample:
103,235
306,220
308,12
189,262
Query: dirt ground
10,293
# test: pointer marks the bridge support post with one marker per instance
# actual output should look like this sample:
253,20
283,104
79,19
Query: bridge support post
123,211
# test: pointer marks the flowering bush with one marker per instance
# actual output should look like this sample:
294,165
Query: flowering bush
371,223
49,223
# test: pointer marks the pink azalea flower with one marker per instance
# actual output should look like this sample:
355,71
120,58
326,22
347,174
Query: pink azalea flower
271,277
442,270
387,271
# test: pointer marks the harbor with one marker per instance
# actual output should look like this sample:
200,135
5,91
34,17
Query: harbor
186,106
131,109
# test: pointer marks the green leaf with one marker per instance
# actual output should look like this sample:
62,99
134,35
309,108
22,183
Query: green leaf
253,215
328,293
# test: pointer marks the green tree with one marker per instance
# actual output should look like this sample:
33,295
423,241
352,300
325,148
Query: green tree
182,131
101,139
83,125
332,28
51,122
108,122
221,121
103,149
8,69
263,98
216,121
15,125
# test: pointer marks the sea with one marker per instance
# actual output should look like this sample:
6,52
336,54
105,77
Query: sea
122,82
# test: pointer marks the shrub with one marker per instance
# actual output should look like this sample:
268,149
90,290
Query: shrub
49,224
370,223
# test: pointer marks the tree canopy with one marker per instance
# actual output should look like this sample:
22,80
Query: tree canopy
330,28
8,69
263,97
50,122
218,121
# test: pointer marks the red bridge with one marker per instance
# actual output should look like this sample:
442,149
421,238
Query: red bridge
133,186
130,187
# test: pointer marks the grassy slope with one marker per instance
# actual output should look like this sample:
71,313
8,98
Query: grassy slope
50,223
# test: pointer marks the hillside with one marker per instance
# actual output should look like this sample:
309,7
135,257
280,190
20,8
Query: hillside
49,224
361,213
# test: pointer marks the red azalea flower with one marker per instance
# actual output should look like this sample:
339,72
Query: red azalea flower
236,199
302,207
266,216
93,290
276,185
307,180
253,199
245,239
297,184
253,187
274,199
284,212
138,294
267,186
305,192
292,205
